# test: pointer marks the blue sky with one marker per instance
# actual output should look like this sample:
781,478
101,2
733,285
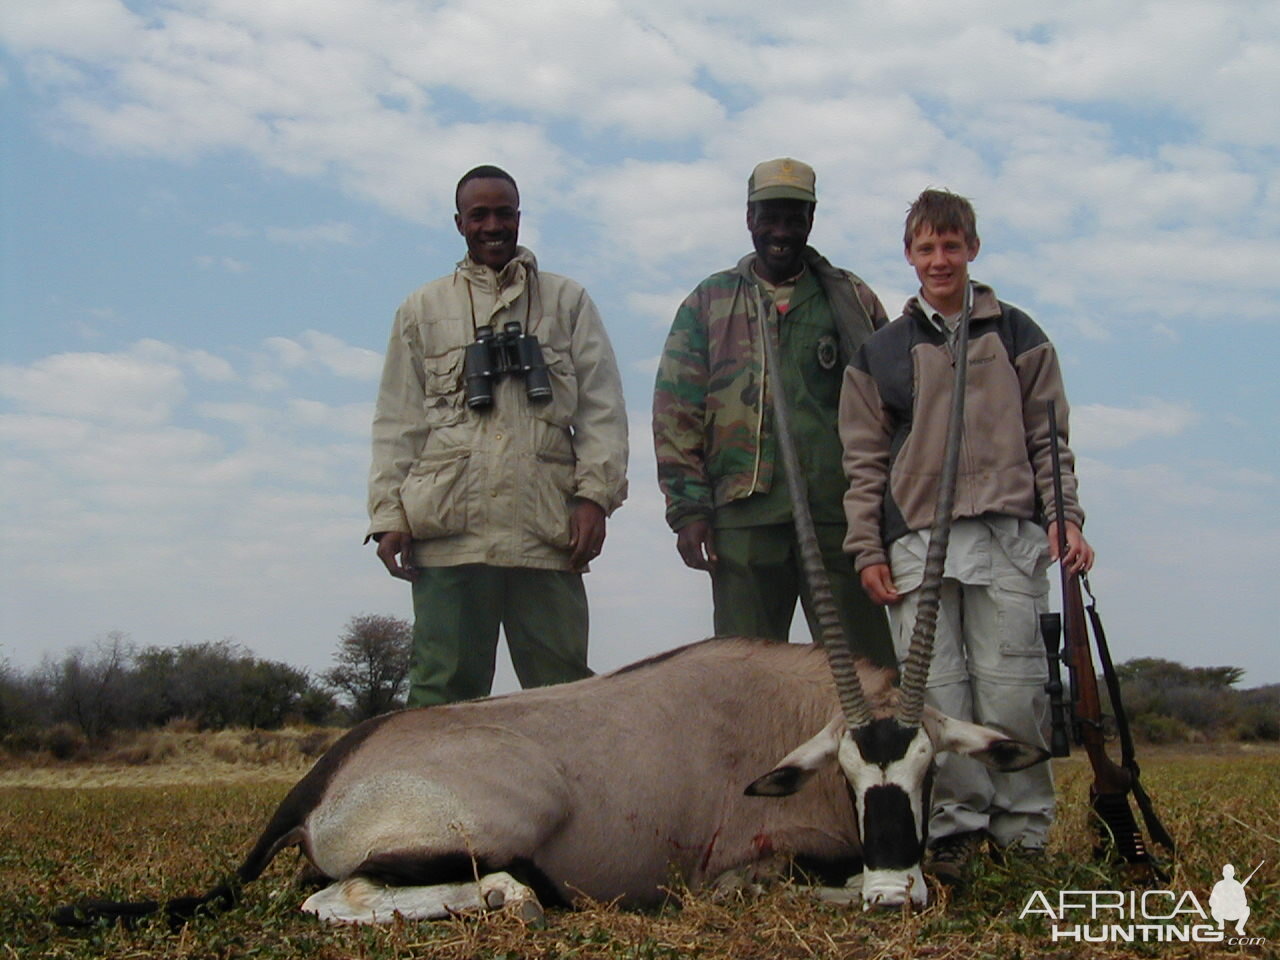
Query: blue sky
211,209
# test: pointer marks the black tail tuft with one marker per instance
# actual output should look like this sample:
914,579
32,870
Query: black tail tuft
90,913
181,909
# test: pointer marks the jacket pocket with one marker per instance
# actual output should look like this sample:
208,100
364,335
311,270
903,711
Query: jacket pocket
1018,604
436,496
551,489
562,406
442,388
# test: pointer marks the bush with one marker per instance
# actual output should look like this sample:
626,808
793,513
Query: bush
63,741
1259,714
1160,728
144,749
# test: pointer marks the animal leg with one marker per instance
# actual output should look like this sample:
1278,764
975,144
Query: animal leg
361,900
850,893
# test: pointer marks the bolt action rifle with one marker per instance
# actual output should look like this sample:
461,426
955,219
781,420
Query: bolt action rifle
1082,710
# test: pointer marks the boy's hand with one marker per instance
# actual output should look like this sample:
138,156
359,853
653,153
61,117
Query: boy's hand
878,582
1079,557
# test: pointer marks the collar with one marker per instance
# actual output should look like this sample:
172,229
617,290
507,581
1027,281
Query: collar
805,282
983,306
941,321
514,273
769,284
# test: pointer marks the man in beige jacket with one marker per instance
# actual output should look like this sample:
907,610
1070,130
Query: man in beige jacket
493,508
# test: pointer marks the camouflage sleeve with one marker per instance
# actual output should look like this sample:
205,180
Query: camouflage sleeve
679,406
875,309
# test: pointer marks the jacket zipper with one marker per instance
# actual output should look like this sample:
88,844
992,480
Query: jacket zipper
764,383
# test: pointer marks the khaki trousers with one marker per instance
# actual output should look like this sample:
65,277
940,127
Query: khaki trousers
988,667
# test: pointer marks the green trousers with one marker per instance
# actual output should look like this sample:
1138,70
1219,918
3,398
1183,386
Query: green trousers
759,576
456,615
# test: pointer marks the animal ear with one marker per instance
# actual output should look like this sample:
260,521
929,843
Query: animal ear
799,766
997,750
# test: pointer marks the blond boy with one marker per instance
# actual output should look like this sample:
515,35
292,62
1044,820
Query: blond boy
989,664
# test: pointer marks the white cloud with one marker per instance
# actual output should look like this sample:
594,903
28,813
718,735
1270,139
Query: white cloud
159,525
353,419
1121,157
229,264
316,350
122,387
1095,426
657,308
202,363
83,29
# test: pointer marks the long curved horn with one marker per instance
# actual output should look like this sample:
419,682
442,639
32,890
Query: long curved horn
915,668
830,635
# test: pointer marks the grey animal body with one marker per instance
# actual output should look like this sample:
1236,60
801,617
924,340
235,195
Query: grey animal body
603,787
607,787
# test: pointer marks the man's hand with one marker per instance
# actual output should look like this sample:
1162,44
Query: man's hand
1079,557
877,580
395,550
586,533
697,545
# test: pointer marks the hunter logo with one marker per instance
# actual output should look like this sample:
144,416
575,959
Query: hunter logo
1228,900
1147,916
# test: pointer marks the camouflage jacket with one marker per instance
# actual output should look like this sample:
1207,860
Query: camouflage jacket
709,413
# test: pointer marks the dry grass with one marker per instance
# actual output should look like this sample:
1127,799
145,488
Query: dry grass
176,755
162,828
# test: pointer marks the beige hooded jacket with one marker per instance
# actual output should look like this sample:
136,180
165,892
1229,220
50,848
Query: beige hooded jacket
495,486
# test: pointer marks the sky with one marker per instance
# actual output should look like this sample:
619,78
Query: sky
210,210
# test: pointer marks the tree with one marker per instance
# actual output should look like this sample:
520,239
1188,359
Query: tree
1161,672
216,684
1169,701
88,686
372,664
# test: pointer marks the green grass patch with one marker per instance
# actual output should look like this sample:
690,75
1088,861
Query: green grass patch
58,844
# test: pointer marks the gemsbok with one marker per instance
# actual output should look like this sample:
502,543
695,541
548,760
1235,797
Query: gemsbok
608,787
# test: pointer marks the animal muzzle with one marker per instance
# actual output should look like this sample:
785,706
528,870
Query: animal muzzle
891,888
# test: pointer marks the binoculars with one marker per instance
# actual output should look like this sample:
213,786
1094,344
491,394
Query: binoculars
493,356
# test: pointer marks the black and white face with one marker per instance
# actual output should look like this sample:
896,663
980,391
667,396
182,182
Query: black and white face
890,770
889,767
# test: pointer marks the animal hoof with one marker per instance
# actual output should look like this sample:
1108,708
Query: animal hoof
495,898
531,912
838,895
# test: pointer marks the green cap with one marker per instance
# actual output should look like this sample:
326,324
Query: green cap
782,179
